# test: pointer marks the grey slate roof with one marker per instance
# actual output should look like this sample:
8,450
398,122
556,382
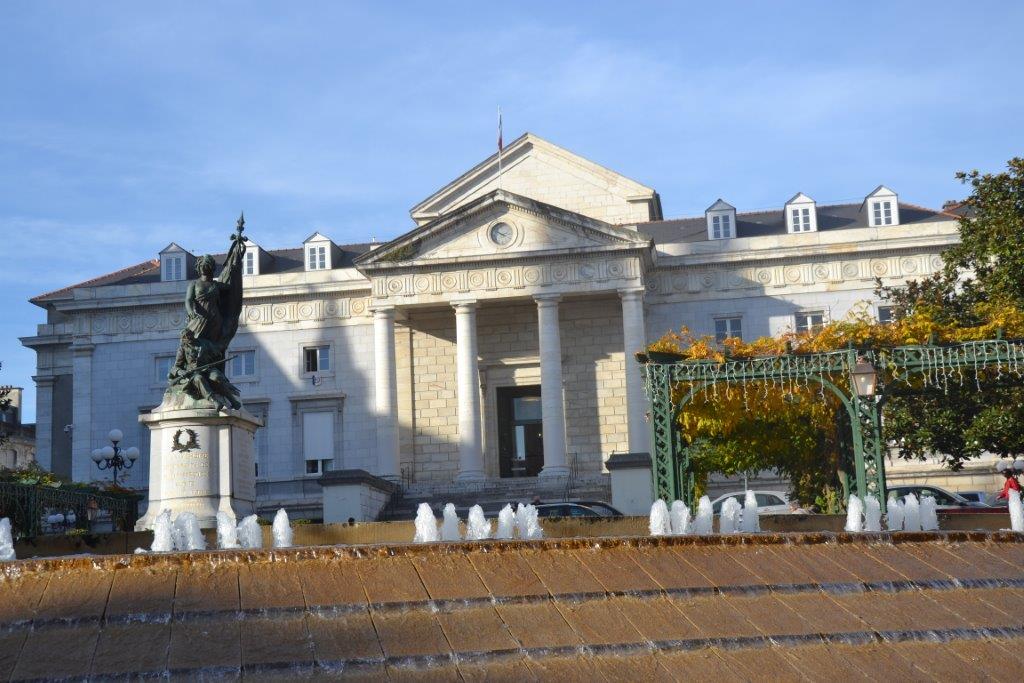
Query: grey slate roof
762,223
283,261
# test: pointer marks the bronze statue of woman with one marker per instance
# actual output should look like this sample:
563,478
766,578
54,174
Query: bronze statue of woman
212,308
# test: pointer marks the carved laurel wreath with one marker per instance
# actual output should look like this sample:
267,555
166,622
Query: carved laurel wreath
185,440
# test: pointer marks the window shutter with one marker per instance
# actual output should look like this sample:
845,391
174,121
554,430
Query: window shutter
318,436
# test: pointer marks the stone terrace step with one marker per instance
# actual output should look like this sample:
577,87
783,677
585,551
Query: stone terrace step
762,607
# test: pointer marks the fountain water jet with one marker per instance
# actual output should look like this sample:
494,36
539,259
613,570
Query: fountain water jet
187,534
6,541
659,523
929,514
163,540
702,524
450,524
1016,511
250,536
729,517
426,525
477,526
679,516
227,531
751,520
855,515
527,523
282,530
872,514
506,523
894,514
911,513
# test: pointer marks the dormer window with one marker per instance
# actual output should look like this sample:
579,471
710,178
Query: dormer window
175,263
801,214
721,227
881,212
883,207
319,252
721,218
316,257
174,268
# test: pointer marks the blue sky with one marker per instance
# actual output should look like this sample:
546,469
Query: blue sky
125,126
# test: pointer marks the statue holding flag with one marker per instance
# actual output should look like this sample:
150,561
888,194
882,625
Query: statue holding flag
212,308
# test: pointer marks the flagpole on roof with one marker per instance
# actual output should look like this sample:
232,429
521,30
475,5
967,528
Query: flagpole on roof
500,146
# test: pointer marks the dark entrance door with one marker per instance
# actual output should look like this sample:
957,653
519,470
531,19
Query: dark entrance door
520,446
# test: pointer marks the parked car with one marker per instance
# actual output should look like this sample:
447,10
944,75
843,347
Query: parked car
946,501
768,502
566,510
600,507
976,496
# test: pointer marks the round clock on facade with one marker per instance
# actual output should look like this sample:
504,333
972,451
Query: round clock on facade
501,234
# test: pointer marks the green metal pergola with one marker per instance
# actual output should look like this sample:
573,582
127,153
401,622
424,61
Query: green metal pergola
880,373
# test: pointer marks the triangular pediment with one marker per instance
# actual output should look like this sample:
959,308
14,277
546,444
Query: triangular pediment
501,225
533,167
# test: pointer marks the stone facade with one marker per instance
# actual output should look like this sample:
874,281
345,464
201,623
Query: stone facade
18,449
551,278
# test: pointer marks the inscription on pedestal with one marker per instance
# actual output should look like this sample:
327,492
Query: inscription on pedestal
190,474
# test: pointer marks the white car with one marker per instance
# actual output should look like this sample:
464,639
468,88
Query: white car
768,502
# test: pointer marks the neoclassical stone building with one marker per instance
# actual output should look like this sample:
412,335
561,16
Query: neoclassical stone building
493,340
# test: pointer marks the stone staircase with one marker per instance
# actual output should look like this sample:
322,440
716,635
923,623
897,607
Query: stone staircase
493,494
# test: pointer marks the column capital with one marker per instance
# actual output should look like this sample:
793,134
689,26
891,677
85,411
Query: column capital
547,299
383,310
628,293
44,380
464,305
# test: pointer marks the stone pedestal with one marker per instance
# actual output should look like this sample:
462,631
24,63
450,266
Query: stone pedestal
201,461
632,485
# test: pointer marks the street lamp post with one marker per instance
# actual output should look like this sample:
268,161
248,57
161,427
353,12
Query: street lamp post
114,457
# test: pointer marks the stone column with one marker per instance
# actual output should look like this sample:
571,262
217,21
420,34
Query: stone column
471,459
386,391
44,420
635,339
81,436
552,408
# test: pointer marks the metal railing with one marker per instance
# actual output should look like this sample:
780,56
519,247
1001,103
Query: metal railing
35,510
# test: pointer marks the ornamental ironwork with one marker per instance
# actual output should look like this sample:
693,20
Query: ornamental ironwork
900,370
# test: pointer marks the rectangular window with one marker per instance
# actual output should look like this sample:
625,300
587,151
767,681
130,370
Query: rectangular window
801,220
173,268
882,213
243,364
728,327
810,321
317,438
250,263
886,314
721,227
314,467
316,258
317,358
163,367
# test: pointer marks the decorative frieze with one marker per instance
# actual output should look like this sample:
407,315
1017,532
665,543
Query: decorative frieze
582,273
706,279
172,318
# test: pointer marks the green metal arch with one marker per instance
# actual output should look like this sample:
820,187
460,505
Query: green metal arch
846,401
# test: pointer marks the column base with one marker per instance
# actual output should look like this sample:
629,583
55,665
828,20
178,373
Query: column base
554,471
470,475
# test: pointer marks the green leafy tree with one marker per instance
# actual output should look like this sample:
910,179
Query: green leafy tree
983,273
